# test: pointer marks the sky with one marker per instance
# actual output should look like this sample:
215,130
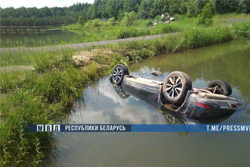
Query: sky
40,3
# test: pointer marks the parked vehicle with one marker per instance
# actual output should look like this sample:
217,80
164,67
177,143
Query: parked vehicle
176,93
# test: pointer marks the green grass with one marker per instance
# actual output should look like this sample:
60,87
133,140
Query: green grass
242,29
192,38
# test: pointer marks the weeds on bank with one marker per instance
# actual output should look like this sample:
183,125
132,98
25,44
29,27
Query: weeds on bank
40,97
242,29
195,37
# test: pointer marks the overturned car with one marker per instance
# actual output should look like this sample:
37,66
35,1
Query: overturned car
176,93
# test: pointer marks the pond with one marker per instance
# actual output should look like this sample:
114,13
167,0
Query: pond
101,104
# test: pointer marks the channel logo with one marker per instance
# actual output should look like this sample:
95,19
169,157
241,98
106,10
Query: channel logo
48,128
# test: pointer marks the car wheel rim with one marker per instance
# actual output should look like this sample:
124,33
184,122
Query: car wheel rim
174,86
117,75
219,89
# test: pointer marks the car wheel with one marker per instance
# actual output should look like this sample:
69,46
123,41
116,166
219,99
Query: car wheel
220,87
175,87
118,73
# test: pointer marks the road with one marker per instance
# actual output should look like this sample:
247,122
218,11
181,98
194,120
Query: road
78,46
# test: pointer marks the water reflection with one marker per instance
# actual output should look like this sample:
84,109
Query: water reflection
106,106
167,110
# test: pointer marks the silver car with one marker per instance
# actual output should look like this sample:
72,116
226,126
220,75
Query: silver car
175,93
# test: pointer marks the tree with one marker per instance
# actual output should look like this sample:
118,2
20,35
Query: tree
160,7
110,8
191,9
194,7
244,6
225,6
177,7
121,14
200,4
145,9
131,5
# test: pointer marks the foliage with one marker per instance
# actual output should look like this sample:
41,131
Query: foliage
242,29
81,20
115,8
131,5
177,7
149,22
129,18
96,23
160,7
191,9
43,16
145,9
225,6
205,18
112,21
244,6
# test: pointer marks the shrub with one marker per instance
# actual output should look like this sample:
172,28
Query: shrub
81,20
111,21
149,23
158,18
129,18
96,23
205,18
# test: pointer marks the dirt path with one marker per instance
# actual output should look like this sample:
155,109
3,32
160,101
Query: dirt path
79,45
231,21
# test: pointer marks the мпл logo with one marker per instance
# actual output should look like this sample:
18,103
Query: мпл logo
48,128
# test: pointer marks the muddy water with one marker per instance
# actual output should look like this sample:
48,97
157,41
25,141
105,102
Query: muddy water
101,104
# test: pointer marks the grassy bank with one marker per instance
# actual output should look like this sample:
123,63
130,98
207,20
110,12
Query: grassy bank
100,30
47,93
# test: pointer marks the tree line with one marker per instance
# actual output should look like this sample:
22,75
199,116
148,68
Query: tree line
43,16
117,9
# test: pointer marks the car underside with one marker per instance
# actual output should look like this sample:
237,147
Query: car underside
175,93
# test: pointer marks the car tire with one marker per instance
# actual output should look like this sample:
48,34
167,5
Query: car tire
175,87
222,87
118,73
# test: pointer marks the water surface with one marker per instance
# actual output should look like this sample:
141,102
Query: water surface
101,104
